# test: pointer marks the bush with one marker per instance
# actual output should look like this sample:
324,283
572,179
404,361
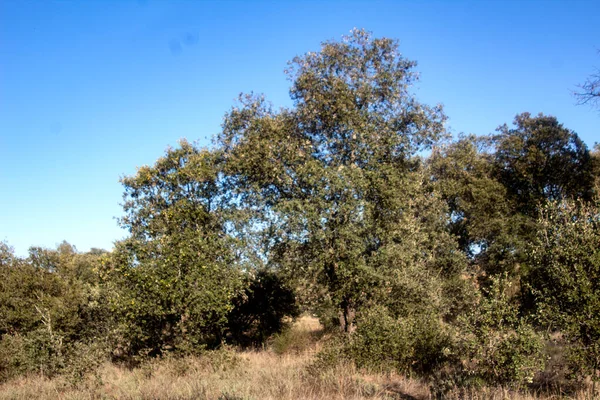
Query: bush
328,314
171,300
49,314
297,338
332,355
416,343
46,353
496,345
565,280
12,356
260,311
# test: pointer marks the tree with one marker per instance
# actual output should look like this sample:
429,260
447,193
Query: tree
495,343
176,274
596,167
339,195
494,186
34,289
481,215
540,160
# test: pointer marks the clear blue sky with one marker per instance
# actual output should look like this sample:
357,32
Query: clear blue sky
89,90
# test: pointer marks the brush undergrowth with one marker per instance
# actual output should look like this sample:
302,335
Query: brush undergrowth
300,363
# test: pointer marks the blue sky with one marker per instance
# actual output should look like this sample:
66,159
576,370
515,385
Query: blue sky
89,90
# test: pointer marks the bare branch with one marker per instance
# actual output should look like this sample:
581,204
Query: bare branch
589,91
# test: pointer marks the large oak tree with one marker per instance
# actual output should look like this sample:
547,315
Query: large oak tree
342,201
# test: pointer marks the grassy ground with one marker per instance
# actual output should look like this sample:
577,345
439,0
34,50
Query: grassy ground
279,372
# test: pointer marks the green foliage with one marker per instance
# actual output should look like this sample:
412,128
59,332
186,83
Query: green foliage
40,351
332,355
175,277
498,345
160,309
260,310
417,343
481,215
51,308
565,278
494,186
336,191
291,340
48,354
541,160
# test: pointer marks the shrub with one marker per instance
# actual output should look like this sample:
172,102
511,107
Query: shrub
46,353
168,303
12,360
259,312
565,279
49,314
332,355
409,344
496,345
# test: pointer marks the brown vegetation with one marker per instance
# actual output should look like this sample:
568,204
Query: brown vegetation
230,374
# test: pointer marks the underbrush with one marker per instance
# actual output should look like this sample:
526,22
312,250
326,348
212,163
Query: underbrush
300,363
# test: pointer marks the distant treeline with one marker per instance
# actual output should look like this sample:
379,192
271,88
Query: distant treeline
458,259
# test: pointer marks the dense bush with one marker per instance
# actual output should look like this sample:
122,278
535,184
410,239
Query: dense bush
497,345
417,343
53,314
168,302
565,279
260,310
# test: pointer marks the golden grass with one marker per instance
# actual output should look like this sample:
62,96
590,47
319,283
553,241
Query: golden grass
237,375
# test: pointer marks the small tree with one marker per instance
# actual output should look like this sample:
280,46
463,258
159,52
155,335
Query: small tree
53,313
176,275
481,215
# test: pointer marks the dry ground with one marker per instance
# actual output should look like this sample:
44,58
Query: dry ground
277,373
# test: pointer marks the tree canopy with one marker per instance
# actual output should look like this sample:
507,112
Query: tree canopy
325,174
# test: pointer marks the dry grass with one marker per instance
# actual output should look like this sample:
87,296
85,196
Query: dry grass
236,375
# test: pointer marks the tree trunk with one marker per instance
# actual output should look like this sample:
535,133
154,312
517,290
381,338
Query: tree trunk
347,314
